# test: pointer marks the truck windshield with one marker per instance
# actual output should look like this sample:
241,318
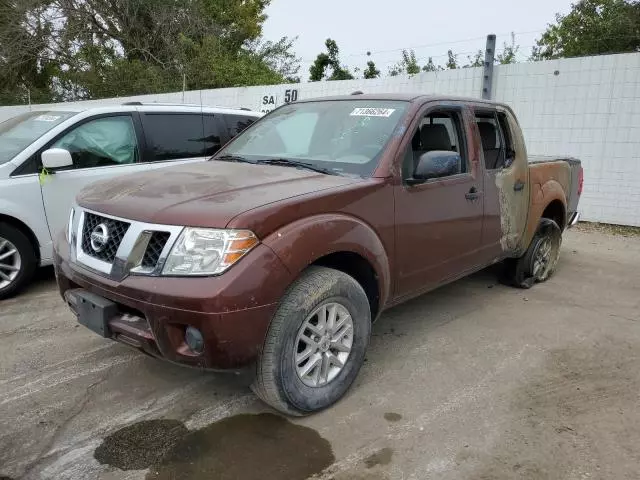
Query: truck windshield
19,132
340,136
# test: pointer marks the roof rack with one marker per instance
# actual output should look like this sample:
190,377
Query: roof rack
167,104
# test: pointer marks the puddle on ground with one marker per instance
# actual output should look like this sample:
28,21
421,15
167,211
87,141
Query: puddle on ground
392,417
243,446
140,445
381,457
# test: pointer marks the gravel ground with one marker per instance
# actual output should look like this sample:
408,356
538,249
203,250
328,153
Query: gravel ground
475,380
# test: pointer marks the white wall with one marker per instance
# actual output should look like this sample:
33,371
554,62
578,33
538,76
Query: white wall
586,107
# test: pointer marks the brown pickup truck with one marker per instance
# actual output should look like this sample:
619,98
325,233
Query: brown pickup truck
280,252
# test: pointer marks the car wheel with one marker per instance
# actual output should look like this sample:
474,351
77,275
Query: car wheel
541,258
17,260
315,344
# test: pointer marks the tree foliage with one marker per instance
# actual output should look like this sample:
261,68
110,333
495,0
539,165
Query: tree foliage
452,61
509,52
592,27
329,60
77,49
430,66
371,71
407,65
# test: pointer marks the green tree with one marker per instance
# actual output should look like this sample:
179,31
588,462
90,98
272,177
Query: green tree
330,59
476,61
407,65
592,27
371,71
97,48
509,52
452,61
431,67
26,62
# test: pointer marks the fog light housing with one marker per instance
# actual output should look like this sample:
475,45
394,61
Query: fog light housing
194,340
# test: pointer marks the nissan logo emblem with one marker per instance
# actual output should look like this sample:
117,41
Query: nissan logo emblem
99,237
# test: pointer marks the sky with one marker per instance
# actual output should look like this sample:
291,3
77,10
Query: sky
429,27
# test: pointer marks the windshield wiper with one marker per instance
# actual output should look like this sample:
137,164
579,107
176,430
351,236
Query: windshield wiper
296,163
233,158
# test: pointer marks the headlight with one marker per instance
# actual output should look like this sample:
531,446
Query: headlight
70,225
205,251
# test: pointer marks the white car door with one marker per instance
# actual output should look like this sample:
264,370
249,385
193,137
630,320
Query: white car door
103,147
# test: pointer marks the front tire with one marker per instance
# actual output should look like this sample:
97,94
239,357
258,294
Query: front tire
540,260
17,260
315,344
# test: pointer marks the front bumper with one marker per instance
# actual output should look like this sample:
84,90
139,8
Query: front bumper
232,311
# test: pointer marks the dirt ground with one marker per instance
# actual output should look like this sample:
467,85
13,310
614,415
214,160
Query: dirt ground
473,381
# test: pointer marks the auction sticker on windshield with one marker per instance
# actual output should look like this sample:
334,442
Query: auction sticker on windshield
372,112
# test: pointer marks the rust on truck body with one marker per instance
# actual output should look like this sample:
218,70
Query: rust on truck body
398,240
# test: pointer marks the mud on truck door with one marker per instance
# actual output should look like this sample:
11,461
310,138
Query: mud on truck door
506,181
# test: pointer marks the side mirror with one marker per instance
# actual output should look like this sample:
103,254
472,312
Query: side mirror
56,158
436,164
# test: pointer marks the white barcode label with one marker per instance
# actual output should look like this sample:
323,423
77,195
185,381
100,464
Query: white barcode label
372,112
46,118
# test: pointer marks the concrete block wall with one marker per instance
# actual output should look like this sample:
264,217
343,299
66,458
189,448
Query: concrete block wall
589,108
586,107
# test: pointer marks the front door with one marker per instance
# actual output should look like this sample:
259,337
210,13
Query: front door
114,145
438,222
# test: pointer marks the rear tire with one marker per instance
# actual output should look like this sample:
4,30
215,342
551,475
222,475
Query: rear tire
18,260
305,365
540,260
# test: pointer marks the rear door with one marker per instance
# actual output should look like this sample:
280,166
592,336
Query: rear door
506,181
438,222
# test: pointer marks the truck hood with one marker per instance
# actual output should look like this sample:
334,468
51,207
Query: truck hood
207,194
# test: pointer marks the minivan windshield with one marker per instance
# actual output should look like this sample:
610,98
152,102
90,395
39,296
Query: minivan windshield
343,137
19,132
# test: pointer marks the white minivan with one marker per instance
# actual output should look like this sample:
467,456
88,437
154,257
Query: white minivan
47,156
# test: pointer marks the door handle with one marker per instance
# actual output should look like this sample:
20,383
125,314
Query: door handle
518,186
472,194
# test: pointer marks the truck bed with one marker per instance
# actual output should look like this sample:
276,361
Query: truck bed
574,188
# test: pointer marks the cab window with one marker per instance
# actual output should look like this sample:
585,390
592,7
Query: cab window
438,131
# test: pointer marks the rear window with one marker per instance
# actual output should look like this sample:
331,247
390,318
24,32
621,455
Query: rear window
19,132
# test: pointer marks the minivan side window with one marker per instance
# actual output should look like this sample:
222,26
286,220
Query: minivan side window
237,123
212,134
101,142
173,136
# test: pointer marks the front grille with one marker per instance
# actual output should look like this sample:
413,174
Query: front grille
115,233
154,249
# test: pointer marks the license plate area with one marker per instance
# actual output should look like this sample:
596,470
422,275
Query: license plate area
93,311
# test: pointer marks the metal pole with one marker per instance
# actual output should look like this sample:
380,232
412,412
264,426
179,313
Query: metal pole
489,57
184,85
